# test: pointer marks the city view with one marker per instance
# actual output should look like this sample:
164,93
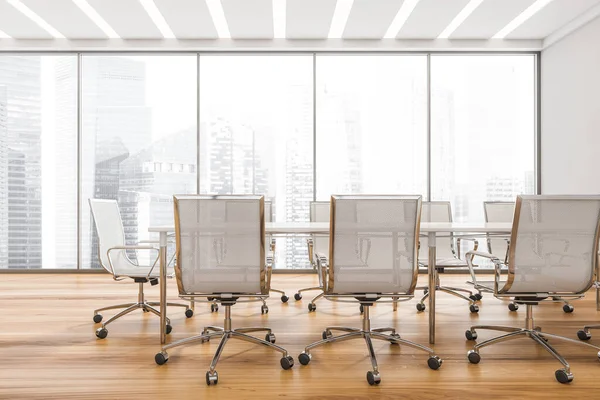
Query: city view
139,140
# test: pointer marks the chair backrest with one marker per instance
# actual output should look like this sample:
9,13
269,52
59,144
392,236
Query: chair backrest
553,245
373,246
437,211
220,244
319,212
498,211
109,228
268,211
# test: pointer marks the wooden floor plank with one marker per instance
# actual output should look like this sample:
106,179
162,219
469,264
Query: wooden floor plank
49,349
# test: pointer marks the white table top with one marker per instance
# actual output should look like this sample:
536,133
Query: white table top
323,227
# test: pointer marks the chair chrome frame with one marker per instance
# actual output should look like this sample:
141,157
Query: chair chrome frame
102,332
227,300
273,247
313,259
530,330
454,291
366,300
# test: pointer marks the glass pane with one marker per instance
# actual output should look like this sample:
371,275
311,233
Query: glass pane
256,136
38,161
138,140
482,130
371,125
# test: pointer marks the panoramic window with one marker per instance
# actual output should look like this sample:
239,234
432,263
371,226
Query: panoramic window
139,140
256,136
38,161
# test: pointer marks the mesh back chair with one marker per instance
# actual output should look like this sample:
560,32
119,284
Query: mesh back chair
113,257
373,257
272,246
221,256
318,245
553,255
447,256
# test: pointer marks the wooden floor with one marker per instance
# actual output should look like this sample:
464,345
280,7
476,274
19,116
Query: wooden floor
49,350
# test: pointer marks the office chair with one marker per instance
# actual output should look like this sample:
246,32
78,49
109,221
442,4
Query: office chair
389,227
317,244
221,255
553,256
501,211
113,257
446,256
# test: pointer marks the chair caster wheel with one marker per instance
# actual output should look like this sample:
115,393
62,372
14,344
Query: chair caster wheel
473,297
161,358
373,378
425,291
284,299
474,308
270,337
471,335
214,308
513,307
212,378
304,358
189,313
568,308
478,296
434,362
287,362
169,329
473,357
420,307
326,334
394,336
563,376
311,307
101,333
583,335
361,309
98,318
264,309
298,296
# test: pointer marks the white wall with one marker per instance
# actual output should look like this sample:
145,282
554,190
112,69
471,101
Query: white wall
570,142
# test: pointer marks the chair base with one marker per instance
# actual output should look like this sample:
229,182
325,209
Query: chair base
563,375
226,333
368,334
146,306
472,299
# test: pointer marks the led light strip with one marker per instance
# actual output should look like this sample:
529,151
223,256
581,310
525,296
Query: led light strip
400,19
96,18
35,18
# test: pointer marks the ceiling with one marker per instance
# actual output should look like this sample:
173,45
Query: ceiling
303,19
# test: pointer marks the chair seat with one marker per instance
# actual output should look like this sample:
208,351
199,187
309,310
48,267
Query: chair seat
445,263
142,271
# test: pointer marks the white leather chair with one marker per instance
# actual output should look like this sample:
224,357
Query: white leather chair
553,257
373,257
221,255
113,257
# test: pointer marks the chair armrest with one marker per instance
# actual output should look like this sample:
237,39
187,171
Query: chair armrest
134,247
323,270
458,240
495,260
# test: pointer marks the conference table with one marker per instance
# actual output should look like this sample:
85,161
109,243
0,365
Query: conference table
430,229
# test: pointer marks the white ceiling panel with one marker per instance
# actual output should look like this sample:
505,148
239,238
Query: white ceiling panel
128,18
15,24
430,18
67,18
309,19
550,18
491,16
370,19
188,19
249,19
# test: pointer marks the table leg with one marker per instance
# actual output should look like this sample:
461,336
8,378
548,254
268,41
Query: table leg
431,276
163,287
